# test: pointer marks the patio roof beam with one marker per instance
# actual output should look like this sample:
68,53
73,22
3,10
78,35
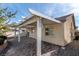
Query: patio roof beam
27,23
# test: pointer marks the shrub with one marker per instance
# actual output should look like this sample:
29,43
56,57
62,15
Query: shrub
2,39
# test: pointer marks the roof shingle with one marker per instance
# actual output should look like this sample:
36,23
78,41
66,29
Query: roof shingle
63,18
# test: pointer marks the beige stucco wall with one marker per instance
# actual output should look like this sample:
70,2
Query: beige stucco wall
33,34
68,29
10,34
58,35
56,38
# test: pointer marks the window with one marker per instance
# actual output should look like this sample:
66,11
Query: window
48,31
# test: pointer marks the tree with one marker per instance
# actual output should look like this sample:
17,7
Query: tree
3,29
5,17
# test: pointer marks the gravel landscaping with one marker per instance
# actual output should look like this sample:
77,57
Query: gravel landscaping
27,47
71,49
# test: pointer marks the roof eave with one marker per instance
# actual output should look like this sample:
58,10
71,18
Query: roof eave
44,16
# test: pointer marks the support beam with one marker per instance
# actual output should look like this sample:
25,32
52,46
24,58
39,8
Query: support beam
39,36
15,32
18,35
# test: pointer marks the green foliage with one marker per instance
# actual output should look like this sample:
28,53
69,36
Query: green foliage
2,20
3,29
6,14
5,17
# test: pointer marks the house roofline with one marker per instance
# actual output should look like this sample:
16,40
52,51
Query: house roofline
33,12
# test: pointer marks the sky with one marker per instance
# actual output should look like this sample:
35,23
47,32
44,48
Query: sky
51,9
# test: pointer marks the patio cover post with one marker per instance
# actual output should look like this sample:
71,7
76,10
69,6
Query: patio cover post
18,34
39,36
15,32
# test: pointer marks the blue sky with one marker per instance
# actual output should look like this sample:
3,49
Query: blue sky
50,9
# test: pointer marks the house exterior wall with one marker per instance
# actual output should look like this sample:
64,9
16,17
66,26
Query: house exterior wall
10,34
58,35
33,34
69,30
56,38
61,32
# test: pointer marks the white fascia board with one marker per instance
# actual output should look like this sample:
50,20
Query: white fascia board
25,19
44,16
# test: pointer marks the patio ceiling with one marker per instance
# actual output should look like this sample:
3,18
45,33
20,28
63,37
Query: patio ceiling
45,23
32,25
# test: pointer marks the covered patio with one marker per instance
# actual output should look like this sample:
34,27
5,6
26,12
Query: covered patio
36,23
